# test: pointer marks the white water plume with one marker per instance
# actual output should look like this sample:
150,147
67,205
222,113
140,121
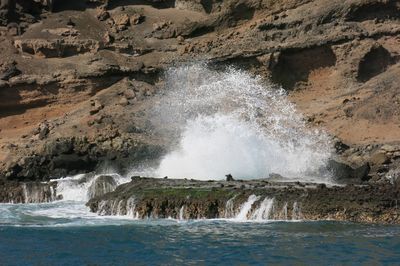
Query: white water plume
230,122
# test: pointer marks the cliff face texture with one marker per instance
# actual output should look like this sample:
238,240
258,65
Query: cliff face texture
76,83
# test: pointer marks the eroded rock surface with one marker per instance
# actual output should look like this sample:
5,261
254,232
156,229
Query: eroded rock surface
28,192
90,71
250,200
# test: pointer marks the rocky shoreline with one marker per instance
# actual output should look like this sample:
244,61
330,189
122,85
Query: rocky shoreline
273,198
27,192
78,81
74,99
265,200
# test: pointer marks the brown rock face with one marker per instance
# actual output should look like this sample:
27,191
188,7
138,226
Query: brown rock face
375,62
57,47
338,61
294,67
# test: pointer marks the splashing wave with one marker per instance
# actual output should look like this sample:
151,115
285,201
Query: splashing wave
230,122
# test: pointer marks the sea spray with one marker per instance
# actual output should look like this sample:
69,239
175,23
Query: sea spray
231,122
74,188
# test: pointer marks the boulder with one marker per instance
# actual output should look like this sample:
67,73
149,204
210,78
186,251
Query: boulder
379,158
339,170
102,14
121,22
43,131
355,159
229,178
344,173
136,19
108,38
123,101
96,107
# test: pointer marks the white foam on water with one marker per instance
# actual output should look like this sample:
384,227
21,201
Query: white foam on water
70,211
54,214
231,122
75,188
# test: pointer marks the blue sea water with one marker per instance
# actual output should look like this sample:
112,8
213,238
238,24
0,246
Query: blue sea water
39,235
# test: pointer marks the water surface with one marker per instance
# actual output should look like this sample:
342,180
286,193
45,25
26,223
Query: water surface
67,234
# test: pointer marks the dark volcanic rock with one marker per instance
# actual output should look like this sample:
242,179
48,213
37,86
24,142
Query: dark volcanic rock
69,156
229,177
344,173
27,192
71,162
190,199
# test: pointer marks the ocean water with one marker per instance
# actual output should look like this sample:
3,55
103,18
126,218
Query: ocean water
65,233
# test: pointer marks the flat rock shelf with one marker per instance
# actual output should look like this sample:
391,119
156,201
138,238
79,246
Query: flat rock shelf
144,198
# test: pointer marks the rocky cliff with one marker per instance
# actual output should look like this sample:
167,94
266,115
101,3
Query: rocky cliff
76,83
